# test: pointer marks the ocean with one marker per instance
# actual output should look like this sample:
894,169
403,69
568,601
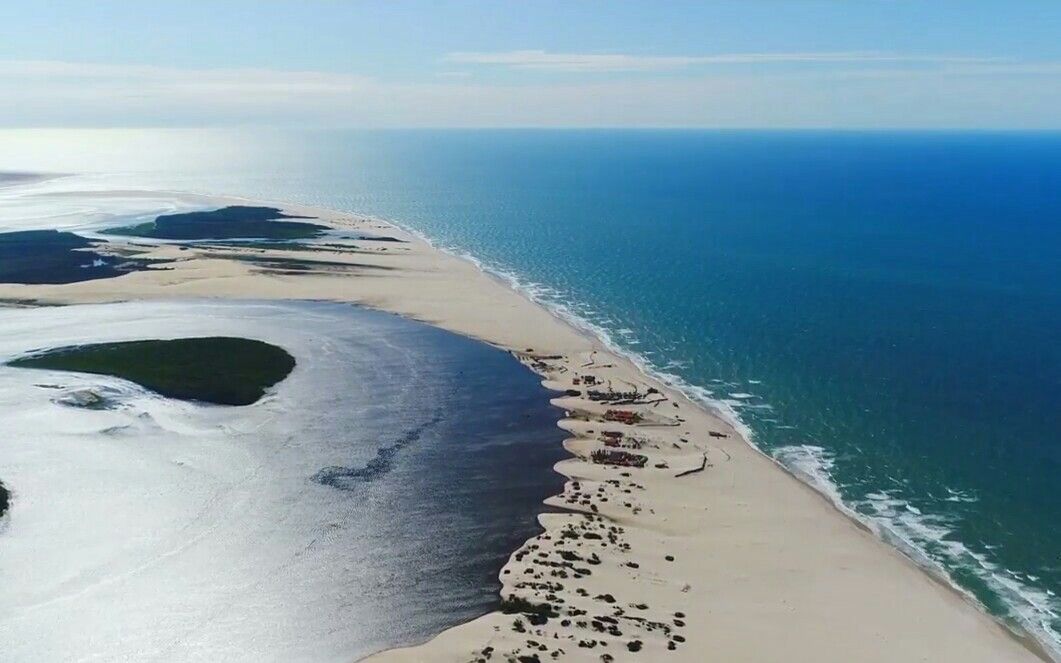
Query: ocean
881,311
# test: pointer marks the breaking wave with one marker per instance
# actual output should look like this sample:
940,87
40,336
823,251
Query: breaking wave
922,537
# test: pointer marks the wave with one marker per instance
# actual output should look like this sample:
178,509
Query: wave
926,539
921,537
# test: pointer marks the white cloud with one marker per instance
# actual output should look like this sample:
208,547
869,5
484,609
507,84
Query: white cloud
571,61
954,94
605,62
61,74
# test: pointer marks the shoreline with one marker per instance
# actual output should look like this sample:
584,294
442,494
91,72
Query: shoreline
486,310
714,408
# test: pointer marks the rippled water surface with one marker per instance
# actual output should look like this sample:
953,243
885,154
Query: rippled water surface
160,530
882,310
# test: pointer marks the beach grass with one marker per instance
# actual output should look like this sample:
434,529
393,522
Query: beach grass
220,370
232,222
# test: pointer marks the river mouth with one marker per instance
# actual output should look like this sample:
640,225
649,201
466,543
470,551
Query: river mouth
256,532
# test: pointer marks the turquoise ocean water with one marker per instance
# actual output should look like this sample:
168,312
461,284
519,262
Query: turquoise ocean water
881,310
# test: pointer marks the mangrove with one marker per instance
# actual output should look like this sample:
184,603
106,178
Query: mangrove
218,369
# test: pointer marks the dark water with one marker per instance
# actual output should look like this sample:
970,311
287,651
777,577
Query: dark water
882,310
462,481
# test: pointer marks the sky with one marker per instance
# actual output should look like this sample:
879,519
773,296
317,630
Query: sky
937,64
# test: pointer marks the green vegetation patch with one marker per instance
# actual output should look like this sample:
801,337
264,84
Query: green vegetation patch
3,498
233,222
50,256
298,265
517,604
216,369
282,245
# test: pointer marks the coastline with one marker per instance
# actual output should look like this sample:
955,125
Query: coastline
763,568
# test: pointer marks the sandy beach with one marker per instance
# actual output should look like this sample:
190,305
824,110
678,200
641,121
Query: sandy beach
710,551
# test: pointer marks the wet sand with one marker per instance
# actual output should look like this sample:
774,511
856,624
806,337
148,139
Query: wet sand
710,551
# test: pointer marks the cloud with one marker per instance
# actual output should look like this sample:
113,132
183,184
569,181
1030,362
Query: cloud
233,82
571,61
609,62
951,95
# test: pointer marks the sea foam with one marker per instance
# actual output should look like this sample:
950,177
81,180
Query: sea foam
921,537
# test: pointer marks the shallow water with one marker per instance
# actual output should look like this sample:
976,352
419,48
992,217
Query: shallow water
881,309
161,530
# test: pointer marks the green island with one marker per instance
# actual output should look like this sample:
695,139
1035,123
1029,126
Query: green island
233,222
217,369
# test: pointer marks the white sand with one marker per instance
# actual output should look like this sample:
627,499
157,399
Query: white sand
764,568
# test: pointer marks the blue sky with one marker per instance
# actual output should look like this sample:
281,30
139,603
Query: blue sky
753,63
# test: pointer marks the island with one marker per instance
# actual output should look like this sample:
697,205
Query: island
218,370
